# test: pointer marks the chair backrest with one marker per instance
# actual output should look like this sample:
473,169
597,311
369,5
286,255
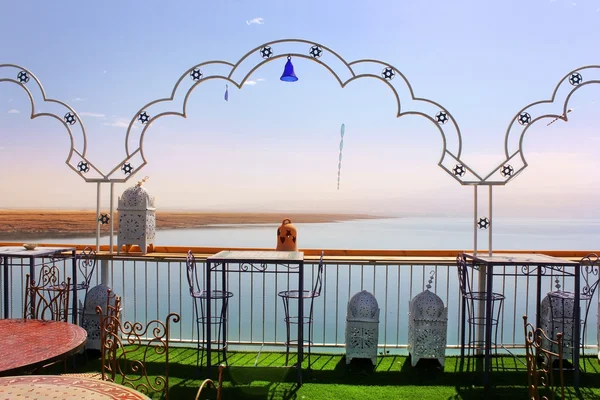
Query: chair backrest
130,351
541,362
319,281
463,274
210,382
192,276
590,266
109,329
86,265
47,299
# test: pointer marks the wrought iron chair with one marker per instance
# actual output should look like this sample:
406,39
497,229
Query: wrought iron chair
210,383
47,299
470,298
86,264
541,362
199,297
124,343
288,295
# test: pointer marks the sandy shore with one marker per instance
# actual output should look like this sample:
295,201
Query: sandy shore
33,224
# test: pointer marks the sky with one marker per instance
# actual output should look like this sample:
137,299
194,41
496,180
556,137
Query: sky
274,146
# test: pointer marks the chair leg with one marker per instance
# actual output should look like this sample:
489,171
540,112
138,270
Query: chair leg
287,328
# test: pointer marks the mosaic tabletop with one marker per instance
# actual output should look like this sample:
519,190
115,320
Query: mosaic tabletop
42,387
28,343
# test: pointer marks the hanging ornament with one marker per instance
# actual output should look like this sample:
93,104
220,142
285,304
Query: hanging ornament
226,92
340,158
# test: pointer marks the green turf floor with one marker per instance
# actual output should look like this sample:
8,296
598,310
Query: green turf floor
330,378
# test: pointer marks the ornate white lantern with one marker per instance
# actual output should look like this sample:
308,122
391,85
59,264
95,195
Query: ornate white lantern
97,296
137,218
362,327
557,316
427,326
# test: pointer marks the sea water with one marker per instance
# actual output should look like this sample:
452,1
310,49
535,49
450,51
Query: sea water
419,233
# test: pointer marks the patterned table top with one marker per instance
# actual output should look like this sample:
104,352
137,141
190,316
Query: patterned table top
27,343
257,255
12,251
520,259
46,387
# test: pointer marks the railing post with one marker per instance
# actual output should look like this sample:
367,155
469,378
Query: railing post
104,272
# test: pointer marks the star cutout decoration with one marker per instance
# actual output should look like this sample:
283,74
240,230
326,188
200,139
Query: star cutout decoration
70,118
459,170
483,223
315,52
388,73
83,166
104,219
575,79
524,118
144,117
127,168
266,52
507,170
441,118
23,77
196,74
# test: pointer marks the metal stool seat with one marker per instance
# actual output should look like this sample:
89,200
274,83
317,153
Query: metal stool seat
288,295
199,297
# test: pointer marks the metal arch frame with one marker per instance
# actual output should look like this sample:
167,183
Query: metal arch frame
519,152
348,66
81,153
562,116
72,151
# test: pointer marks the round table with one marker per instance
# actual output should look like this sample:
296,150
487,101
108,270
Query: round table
42,387
30,343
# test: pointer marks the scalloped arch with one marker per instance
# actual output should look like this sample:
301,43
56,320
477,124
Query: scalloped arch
511,132
81,152
347,67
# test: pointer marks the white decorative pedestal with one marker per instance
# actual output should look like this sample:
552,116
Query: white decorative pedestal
557,316
427,327
362,327
137,218
97,296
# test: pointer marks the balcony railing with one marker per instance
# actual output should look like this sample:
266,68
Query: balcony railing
153,285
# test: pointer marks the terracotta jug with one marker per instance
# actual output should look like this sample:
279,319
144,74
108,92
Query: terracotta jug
286,236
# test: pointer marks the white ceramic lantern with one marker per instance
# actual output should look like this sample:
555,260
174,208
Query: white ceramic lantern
97,296
362,327
427,327
557,316
137,218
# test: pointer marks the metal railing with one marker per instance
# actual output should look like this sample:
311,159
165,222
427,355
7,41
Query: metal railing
153,286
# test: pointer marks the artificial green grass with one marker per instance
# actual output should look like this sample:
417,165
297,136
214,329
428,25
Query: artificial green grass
330,378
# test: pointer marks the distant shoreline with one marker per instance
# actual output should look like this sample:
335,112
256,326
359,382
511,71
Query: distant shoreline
53,224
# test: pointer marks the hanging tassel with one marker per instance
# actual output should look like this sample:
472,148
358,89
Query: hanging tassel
340,158
226,92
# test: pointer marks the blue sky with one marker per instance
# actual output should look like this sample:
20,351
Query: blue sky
274,145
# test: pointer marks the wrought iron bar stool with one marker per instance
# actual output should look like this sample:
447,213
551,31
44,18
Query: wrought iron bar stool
469,299
288,295
199,296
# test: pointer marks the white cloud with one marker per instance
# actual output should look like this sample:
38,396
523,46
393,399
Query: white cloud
251,82
119,123
91,114
78,99
14,111
255,21
2,148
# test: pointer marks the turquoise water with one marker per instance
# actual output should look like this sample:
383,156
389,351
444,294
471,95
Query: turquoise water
255,317
394,233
